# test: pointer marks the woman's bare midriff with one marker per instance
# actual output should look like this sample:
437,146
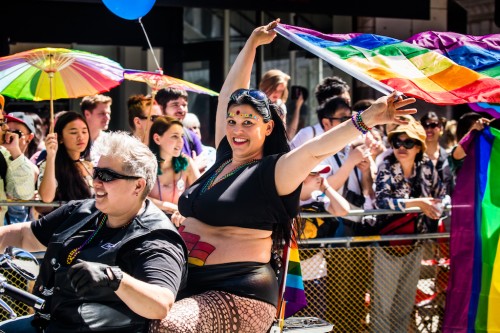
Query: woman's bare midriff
232,244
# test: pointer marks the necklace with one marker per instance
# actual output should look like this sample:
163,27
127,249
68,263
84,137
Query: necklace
211,181
76,251
88,177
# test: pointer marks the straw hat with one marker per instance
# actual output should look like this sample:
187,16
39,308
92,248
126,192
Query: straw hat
413,129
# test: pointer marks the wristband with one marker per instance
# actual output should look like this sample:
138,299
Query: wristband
115,275
325,189
359,123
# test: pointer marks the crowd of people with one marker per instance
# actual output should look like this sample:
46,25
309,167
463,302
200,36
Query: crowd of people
162,231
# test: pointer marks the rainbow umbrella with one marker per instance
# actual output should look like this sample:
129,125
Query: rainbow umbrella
54,73
158,80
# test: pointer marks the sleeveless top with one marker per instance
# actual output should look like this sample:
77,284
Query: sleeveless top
247,199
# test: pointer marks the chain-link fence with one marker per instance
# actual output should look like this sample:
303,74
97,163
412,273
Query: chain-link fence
361,284
17,280
378,287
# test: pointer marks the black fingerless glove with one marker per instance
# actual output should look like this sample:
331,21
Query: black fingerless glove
85,275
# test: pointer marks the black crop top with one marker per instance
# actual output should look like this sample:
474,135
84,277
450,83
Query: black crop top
247,199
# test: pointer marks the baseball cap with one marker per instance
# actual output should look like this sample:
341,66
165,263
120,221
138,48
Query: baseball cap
22,118
322,168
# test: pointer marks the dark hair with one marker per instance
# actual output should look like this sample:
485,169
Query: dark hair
330,106
165,95
70,184
160,126
431,115
275,143
362,105
136,105
38,135
418,158
465,122
330,86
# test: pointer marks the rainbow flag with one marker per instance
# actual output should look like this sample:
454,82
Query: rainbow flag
473,294
387,64
479,53
294,295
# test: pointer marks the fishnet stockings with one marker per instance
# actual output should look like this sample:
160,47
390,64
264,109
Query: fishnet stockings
216,311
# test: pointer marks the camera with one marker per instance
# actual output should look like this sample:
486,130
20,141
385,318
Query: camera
355,199
296,90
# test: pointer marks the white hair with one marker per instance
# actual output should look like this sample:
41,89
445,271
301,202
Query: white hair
135,157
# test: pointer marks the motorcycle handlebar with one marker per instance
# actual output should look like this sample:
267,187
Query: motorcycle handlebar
23,296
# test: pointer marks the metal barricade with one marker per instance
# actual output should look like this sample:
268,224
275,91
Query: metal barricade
360,284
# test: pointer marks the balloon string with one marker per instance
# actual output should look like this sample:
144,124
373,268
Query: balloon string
150,47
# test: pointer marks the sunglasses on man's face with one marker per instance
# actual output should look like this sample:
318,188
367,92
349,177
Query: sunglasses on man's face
108,175
408,143
431,125
341,119
152,118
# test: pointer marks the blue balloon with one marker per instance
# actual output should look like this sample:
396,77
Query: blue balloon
129,9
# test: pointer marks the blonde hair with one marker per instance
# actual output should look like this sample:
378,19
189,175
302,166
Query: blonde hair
271,80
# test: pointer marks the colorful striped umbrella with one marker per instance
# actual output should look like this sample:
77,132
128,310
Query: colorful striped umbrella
54,73
387,64
158,80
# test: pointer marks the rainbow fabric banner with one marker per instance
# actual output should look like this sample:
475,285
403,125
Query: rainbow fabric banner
473,294
386,64
479,53
294,295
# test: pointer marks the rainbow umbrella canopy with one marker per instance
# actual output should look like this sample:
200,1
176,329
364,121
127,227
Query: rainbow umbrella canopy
54,73
158,80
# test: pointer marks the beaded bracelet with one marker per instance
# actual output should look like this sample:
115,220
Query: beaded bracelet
325,189
359,124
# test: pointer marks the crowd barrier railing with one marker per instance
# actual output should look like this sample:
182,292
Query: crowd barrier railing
358,283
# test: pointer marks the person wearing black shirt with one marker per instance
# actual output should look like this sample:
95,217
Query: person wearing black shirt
111,263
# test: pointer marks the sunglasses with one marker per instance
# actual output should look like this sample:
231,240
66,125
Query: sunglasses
108,175
341,119
152,118
408,143
257,95
431,125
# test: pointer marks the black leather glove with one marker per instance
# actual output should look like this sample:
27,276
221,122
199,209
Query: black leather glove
85,275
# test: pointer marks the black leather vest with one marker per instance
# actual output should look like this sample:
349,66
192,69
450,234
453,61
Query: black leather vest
100,309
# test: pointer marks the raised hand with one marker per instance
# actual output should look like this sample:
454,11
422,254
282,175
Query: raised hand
387,109
11,143
51,144
264,34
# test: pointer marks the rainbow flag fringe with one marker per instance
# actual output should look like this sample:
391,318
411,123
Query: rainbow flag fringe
294,295
382,61
473,292
479,53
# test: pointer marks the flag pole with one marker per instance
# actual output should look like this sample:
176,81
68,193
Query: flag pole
332,59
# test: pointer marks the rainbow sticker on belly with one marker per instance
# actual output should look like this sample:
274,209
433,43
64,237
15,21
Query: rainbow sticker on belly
198,252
